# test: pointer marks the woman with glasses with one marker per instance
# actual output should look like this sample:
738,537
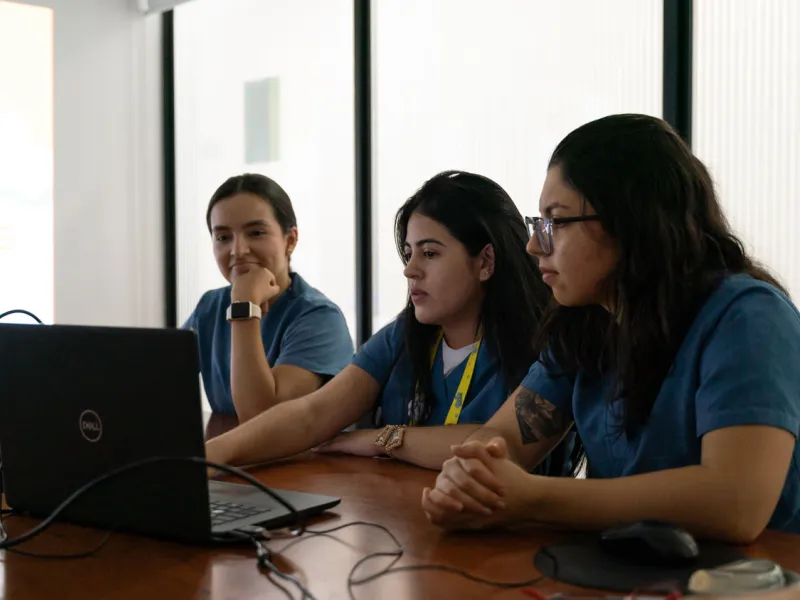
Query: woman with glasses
449,360
675,355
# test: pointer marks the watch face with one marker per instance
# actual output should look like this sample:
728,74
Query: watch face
240,310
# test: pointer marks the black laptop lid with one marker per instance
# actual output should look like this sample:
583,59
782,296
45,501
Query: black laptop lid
77,402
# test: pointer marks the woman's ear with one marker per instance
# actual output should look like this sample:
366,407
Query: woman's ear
291,241
487,262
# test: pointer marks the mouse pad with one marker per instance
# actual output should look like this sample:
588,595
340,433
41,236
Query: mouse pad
581,562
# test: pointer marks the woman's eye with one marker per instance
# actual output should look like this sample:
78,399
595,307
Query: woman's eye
221,238
257,233
429,254
407,256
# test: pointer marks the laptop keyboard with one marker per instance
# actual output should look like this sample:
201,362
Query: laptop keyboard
224,512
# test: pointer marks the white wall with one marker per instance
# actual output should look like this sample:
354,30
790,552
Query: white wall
492,88
108,200
747,122
26,160
308,46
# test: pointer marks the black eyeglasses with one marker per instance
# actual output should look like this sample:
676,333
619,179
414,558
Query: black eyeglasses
543,228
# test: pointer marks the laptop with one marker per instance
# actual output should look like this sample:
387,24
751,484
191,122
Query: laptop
79,401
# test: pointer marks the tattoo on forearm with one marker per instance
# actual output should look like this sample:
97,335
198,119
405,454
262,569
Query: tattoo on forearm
538,419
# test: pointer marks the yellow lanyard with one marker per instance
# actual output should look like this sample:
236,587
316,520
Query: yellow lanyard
463,386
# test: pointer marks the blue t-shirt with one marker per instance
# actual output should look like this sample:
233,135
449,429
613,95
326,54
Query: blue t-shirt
739,364
303,328
385,359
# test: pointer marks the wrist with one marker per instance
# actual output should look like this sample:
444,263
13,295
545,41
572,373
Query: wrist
243,294
390,439
366,442
532,500
244,311
246,324
245,297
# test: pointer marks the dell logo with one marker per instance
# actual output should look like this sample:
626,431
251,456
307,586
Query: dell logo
90,425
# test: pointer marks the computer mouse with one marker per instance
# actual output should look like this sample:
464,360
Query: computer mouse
650,543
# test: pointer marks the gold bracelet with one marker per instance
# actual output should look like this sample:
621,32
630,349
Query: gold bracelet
384,435
391,438
395,439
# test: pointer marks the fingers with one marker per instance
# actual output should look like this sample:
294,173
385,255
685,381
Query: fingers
432,511
435,507
475,460
458,480
455,497
498,447
439,501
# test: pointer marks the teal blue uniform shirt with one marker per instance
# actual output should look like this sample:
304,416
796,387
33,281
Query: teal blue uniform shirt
385,359
303,328
739,364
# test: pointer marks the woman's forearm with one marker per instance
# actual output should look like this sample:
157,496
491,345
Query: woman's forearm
429,447
287,428
253,387
699,498
297,425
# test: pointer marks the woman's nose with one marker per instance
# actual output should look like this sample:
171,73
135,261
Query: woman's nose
239,246
411,270
533,248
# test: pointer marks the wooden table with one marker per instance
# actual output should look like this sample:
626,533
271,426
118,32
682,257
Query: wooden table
386,492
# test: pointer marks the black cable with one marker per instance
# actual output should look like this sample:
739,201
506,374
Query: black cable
264,557
452,570
21,311
353,524
279,586
10,543
84,554
396,555
274,570
75,555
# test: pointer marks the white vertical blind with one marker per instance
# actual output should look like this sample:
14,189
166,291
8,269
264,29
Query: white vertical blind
306,47
26,160
492,87
746,122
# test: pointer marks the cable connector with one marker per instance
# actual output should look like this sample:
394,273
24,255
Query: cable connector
264,555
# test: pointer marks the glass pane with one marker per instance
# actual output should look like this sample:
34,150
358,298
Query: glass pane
26,160
266,86
458,86
746,121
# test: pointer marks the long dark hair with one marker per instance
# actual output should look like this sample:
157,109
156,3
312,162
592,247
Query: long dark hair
657,201
477,211
263,187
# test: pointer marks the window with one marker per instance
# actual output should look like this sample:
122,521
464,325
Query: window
26,160
462,86
746,122
266,86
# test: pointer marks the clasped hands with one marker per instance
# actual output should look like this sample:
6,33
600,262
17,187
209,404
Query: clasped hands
480,487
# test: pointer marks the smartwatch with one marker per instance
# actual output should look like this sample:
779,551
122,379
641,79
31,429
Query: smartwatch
242,311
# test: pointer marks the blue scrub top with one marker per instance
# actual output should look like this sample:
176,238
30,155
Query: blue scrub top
303,328
739,364
385,359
